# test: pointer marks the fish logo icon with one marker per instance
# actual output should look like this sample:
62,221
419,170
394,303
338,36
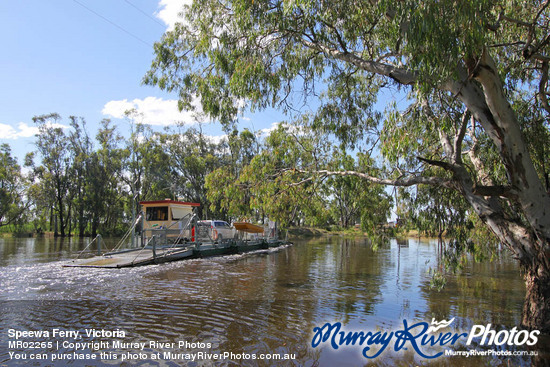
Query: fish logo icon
439,325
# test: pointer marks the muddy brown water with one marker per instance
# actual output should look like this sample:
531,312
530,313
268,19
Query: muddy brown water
250,309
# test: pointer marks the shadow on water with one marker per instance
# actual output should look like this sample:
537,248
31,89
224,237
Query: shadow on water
256,303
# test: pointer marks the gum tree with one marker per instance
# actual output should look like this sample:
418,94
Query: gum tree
13,203
54,173
475,73
192,157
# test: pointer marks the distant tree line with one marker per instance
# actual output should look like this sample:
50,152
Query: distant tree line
75,184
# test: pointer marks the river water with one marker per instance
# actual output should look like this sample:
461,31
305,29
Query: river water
257,305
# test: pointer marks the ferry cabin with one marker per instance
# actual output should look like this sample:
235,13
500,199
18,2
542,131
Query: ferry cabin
165,213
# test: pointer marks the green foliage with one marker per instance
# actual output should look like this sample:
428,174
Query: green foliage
437,280
536,129
104,192
191,157
282,182
13,205
55,172
354,199
277,189
437,34
227,195
263,52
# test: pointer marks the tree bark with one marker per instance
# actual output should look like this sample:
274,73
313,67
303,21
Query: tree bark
531,242
536,308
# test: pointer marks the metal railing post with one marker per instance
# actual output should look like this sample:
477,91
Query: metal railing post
99,245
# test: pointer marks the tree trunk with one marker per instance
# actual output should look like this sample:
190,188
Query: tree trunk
536,309
51,219
532,253
69,220
529,239
55,233
60,211
95,225
81,222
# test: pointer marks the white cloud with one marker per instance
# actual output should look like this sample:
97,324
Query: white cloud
170,11
151,111
23,130
217,139
7,132
290,128
263,133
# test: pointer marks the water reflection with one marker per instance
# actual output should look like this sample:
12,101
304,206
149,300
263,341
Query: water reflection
263,302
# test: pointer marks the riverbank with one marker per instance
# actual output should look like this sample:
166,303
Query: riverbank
311,232
305,232
27,235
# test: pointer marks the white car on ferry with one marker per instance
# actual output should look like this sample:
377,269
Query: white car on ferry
220,229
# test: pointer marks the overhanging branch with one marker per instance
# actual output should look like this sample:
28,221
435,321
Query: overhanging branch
401,182
496,190
542,86
401,76
444,165
460,137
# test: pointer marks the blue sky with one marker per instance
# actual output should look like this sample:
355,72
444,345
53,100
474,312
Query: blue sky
86,58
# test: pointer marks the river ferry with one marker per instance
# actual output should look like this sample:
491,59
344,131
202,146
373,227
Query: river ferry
169,230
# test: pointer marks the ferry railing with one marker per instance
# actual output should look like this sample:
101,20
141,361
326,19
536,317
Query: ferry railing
96,238
153,240
153,243
186,229
203,233
190,230
127,234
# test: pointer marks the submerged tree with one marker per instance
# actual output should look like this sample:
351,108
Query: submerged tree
80,148
269,185
105,195
13,203
55,172
476,73
192,157
75,187
355,199
225,194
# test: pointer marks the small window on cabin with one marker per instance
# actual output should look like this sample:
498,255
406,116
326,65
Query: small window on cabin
156,213
179,213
